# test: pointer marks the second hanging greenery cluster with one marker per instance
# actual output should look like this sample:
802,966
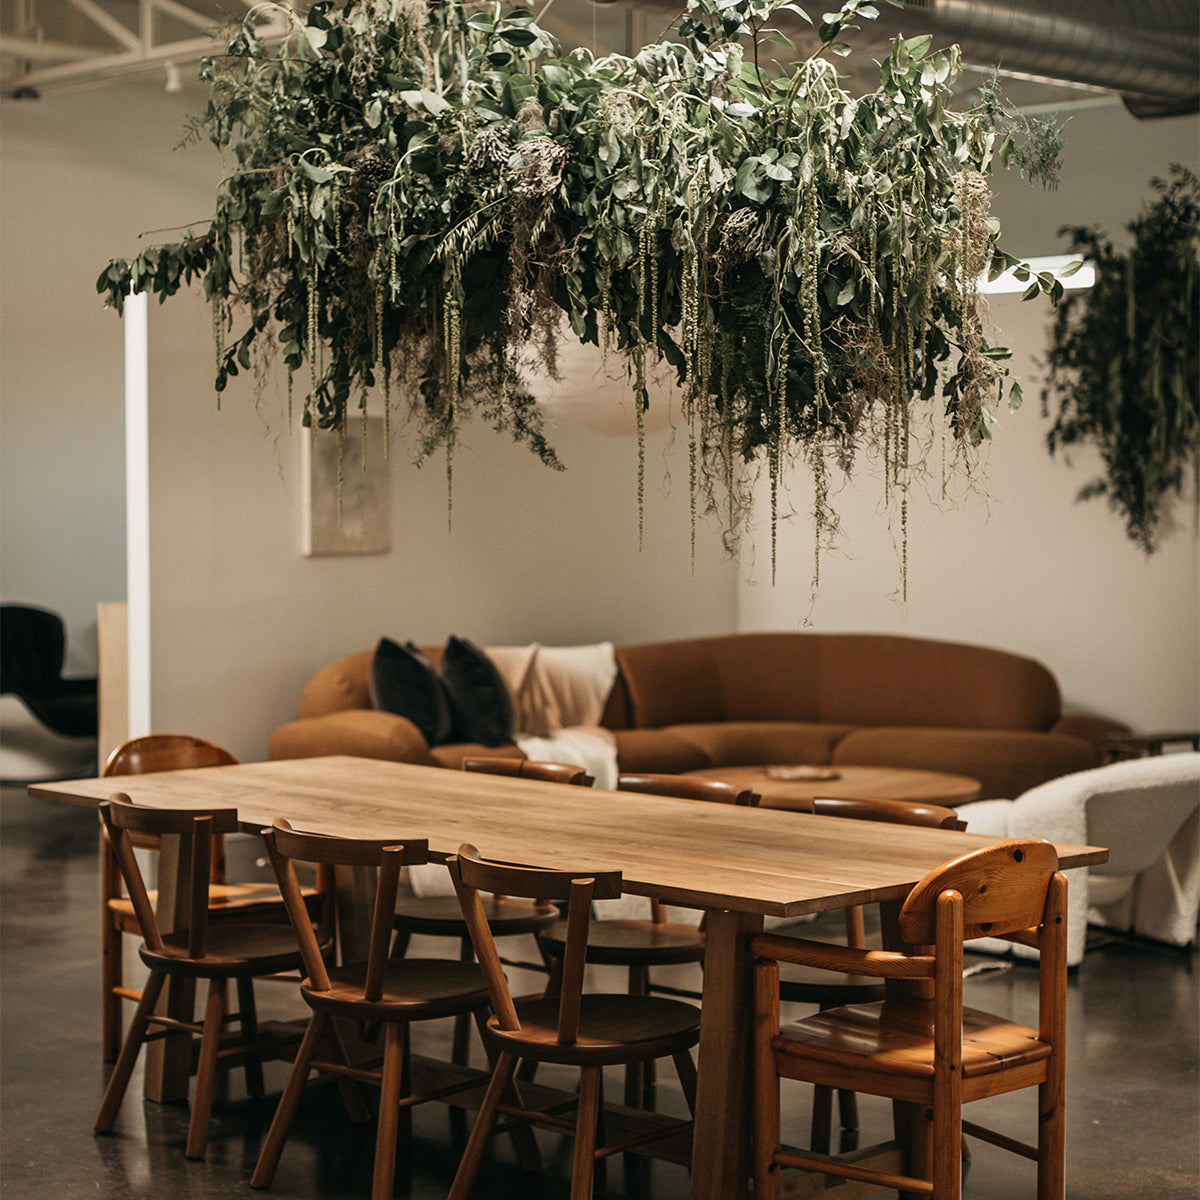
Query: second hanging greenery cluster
419,198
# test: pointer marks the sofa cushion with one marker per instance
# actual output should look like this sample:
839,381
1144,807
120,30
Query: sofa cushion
756,743
481,709
1006,762
657,751
361,732
404,682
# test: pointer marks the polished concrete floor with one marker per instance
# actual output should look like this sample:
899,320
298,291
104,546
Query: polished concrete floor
1133,1085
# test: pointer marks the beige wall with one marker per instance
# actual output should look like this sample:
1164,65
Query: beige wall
240,618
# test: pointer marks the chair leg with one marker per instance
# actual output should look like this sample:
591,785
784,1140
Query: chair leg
523,1140
268,1157
685,1068
389,1110
111,967
248,1020
111,978
1051,1144
848,1111
822,1119
119,1080
206,1069
639,1076
468,1166
461,1046
586,1118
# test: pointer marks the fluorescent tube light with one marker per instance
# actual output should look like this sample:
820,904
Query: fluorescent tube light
1085,277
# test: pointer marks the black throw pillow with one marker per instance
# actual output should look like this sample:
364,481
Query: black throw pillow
404,682
480,704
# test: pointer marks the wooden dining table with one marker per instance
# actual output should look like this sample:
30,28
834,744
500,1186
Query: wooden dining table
738,865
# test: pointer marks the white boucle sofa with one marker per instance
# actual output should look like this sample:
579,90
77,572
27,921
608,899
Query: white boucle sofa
1146,811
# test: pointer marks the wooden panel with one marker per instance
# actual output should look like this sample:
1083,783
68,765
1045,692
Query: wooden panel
112,632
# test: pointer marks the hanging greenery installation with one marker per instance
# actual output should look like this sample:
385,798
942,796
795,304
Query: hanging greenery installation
421,198
1124,361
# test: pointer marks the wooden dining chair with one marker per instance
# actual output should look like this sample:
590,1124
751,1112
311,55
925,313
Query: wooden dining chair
920,1046
440,916
573,1028
139,756
216,951
808,985
641,943
376,991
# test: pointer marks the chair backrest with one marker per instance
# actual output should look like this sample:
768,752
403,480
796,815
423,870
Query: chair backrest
1001,890
473,874
899,812
125,822
688,787
286,845
165,752
524,768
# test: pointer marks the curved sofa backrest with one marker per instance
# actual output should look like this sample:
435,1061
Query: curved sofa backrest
860,679
847,678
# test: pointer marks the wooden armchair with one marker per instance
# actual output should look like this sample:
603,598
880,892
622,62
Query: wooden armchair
810,985
920,1047
572,1028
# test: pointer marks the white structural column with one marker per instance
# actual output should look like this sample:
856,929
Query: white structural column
137,510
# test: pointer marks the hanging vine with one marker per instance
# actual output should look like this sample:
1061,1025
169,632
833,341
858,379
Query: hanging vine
426,195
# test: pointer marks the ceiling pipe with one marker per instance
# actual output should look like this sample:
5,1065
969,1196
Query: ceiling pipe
1149,53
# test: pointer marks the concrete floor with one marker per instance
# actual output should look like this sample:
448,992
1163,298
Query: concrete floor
1133,1086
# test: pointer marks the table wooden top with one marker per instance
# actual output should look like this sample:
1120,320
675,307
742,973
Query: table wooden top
713,856
795,787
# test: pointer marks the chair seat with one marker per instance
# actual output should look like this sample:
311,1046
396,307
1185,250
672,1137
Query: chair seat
612,1028
896,1038
429,987
232,949
627,942
441,916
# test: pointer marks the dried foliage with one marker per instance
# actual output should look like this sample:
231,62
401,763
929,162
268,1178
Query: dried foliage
420,196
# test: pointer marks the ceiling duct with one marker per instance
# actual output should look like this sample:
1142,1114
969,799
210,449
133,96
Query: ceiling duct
1147,52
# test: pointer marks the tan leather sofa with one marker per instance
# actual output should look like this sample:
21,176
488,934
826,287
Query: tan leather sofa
757,698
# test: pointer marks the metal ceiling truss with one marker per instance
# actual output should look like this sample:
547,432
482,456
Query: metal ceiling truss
66,42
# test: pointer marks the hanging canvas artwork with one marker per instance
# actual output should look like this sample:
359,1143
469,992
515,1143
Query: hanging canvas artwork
347,490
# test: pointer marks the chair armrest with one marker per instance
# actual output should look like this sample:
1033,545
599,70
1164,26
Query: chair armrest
886,964
362,732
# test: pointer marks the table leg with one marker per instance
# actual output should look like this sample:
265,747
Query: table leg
355,887
721,1146
169,1060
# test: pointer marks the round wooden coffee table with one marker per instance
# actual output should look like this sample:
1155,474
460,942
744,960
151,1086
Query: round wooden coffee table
793,787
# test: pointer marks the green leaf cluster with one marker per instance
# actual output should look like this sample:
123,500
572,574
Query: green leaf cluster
1124,360
421,196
